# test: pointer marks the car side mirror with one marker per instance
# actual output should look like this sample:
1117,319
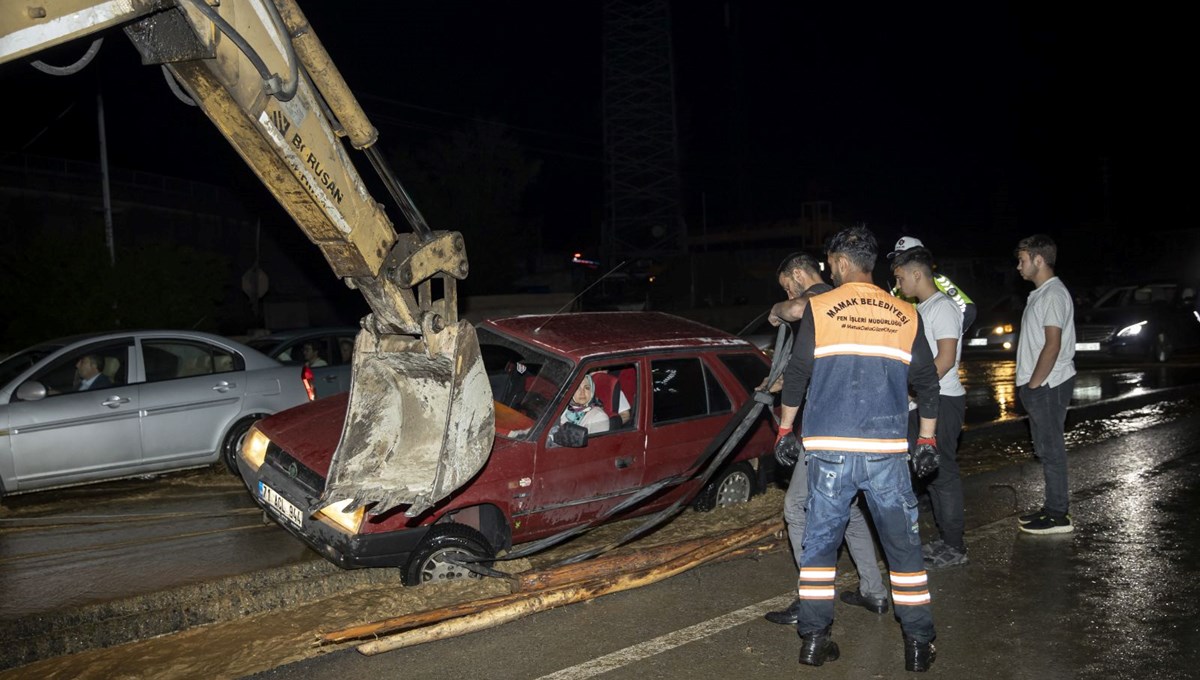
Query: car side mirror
571,436
31,390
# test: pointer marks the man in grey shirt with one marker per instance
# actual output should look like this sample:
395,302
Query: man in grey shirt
1046,377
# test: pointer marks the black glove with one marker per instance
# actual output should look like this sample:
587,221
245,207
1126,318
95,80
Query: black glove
787,449
925,457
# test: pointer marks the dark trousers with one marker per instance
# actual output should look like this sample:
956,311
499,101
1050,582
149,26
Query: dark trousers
1047,409
945,485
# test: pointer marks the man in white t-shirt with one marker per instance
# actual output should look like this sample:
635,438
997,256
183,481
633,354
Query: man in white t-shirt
1046,377
943,322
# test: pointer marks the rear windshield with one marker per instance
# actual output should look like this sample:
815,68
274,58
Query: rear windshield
749,369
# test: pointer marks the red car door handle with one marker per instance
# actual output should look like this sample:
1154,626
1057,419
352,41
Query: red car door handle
623,463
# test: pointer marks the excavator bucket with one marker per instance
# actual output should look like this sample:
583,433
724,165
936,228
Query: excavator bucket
417,426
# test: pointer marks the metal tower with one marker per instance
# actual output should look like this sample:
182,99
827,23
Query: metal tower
642,220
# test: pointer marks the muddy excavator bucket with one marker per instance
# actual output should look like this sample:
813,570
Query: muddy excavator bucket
417,426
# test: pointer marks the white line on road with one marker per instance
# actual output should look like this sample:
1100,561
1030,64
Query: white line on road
663,643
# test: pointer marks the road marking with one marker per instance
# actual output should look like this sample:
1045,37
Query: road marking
663,643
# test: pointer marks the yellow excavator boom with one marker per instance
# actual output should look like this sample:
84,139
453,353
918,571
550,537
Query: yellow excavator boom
420,420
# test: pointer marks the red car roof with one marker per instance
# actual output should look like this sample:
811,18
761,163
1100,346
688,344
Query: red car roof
579,336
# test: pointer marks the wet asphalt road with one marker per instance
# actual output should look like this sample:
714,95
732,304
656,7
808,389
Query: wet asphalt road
92,544
1117,599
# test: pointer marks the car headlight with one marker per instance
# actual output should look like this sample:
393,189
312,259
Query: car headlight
254,448
1130,331
1002,329
336,512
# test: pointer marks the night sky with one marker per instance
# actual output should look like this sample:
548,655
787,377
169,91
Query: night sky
968,124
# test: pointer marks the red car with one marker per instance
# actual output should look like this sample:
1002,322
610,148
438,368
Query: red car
677,381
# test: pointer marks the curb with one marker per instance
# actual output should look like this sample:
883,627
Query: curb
107,624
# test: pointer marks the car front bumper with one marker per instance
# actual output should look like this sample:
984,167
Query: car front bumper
348,551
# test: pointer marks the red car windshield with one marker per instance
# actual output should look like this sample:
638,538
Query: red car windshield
525,382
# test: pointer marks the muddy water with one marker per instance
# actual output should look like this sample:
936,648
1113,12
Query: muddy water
266,641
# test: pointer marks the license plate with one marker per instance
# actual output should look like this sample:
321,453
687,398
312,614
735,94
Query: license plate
281,505
976,342
1087,347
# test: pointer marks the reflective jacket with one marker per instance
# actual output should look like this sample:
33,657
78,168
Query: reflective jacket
857,352
945,285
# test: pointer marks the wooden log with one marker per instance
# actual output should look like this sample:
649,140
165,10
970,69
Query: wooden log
604,565
526,582
571,593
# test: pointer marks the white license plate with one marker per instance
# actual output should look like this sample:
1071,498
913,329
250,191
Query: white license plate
281,505
977,342
1087,347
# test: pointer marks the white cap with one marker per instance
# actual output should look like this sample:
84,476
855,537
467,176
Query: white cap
905,243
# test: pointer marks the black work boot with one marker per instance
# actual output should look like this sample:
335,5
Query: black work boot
787,617
918,656
816,648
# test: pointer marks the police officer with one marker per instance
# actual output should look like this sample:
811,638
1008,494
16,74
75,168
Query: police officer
943,283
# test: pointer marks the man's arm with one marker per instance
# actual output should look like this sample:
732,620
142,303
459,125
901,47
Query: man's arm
1047,357
799,370
788,310
923,378
947,350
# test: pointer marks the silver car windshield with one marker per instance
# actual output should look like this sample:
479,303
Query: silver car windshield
18,363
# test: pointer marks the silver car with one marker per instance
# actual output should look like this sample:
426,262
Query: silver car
104,406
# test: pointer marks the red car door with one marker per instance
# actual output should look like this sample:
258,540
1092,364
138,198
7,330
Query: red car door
573,485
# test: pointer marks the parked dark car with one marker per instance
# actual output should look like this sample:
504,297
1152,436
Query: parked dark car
332,347
1150,321
682,380
997,328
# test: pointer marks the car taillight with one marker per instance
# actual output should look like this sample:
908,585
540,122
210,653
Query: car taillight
306,377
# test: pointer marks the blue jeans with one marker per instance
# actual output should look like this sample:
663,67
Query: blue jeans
1047,409
834,479
859,540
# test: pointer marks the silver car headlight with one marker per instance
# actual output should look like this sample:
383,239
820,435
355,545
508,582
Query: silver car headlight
1131,330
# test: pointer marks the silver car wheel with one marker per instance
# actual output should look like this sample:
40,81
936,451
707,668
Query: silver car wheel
440,569
734,489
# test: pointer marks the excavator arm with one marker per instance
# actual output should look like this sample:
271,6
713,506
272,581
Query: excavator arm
420,421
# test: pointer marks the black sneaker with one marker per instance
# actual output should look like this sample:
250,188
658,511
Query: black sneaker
1026,519
948,557
1049,524
932,548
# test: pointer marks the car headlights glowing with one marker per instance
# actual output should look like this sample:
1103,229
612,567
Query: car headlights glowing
336,512
1130,331
254,448
1002,329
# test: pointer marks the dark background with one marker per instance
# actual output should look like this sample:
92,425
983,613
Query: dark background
969,125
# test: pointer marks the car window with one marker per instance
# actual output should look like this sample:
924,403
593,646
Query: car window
525,382
749,369
171,359
684,388
67,373
344,352
617,393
